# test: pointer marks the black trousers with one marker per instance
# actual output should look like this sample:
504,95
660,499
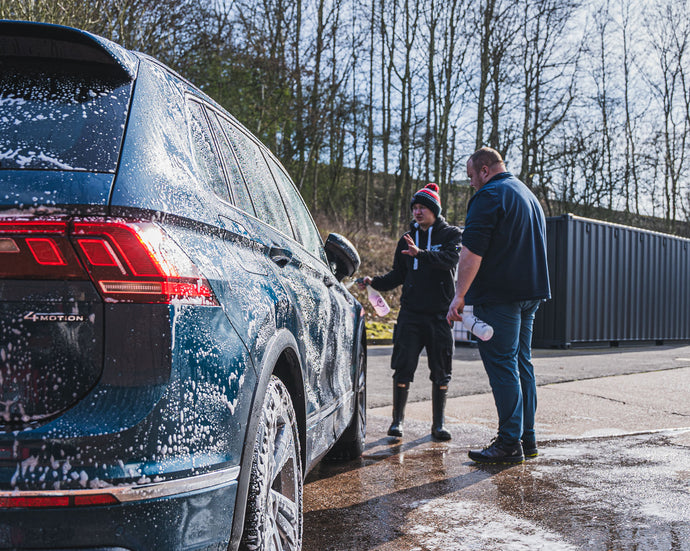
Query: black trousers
414,332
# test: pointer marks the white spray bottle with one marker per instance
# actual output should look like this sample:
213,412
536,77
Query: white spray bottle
477,327
376,300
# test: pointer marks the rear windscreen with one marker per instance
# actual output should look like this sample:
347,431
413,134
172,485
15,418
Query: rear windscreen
61,115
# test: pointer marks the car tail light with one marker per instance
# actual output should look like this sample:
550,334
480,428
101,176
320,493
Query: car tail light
45,251
43,501
37,250
94,499
128,261
138,262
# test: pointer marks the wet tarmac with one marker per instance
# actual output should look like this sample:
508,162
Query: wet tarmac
613,471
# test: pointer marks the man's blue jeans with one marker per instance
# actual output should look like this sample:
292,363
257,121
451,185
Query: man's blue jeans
507,358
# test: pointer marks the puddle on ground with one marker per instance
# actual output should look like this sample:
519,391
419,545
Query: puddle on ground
617,493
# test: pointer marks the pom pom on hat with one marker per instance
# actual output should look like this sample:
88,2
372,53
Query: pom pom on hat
428,196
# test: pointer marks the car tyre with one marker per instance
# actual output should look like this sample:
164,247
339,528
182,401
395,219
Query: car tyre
350,445
273,518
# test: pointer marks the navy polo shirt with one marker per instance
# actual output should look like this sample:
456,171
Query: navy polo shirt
505,225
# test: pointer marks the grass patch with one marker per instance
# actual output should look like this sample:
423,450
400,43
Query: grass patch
379,330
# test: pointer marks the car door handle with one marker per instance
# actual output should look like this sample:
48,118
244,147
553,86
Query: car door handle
280,256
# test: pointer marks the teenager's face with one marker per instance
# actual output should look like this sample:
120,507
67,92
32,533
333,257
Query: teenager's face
423,215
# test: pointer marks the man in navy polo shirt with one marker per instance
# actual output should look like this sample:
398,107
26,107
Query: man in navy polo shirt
504,275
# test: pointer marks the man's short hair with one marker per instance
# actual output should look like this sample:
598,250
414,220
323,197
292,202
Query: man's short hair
485,156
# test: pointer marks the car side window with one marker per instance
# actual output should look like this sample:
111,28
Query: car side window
262,187
302,223
238,187
205,151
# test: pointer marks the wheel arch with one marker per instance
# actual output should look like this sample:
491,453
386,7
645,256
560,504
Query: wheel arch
360,346
288,370
281,359
361,336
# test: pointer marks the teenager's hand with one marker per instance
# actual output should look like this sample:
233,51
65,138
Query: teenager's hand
412,249
362,282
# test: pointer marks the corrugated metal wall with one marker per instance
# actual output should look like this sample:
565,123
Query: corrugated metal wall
613,283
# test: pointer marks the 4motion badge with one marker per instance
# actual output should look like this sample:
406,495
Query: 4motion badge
54,316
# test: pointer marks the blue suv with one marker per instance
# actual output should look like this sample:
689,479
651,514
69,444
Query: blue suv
176,347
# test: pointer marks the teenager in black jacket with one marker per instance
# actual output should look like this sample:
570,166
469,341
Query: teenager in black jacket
424,264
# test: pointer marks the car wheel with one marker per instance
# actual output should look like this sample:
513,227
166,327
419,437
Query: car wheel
274,503
350,445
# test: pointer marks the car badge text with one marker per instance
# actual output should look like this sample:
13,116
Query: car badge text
54,316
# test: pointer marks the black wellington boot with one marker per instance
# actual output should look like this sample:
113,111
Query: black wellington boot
438,405
399,401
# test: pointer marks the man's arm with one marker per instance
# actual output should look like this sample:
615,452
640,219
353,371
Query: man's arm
467,271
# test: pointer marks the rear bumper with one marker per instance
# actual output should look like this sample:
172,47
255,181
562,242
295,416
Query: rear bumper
193,513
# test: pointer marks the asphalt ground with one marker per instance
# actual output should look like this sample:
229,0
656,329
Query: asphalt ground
550,366
613,473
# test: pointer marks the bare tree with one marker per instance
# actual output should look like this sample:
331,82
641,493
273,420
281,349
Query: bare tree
380,94
630,171
669,40
496,21
605,102
388,19
368,184
548,86
451,88
410,18
431,20
76,13
445,48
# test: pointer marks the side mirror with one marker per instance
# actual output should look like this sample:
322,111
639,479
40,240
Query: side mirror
342,256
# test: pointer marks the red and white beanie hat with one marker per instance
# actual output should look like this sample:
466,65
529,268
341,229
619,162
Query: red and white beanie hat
428,196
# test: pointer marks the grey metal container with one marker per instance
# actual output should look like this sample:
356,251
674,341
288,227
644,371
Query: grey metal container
612,284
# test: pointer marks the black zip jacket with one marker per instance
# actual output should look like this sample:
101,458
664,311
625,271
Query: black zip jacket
429,283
